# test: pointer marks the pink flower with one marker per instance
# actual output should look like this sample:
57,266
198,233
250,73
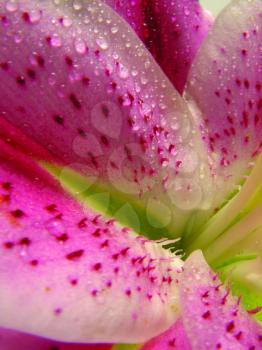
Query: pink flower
97,135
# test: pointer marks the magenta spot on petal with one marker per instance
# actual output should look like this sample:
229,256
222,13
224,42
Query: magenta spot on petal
63,238
74,100
58,311
20,80
172,342
69,61
18,213
8,245
128,292
34,262
97,267
4,65
82,223
74,281
26,17
51,208
31,73
230,326
7,186
40,60
75,255
94,292
206,315
85,80
58,119
24,241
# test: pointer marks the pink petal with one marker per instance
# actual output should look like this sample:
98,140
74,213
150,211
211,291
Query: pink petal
174,338
12,340
172,30
68,274
77,80
225,84
213,319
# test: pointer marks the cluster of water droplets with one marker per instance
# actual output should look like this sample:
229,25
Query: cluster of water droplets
179,139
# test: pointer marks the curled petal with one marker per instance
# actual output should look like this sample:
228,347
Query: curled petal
172,30
225,85
211,316
68,274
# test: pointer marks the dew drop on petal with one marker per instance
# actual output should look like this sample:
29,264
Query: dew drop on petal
67,22
56,41
52,79
77,5
35,16
185,193
102,43
123,72
80,46
55,227
11,5
114,30
189,160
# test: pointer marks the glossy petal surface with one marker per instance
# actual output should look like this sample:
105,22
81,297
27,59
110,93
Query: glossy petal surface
68,274
213,319
92,94
225,85
172,31
12,340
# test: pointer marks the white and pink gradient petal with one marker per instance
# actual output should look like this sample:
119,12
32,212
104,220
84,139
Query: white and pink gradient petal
69,274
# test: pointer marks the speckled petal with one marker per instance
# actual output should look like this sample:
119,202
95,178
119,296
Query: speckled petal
225,85
68,274
174,338
76,79
12,340
172,30
213,319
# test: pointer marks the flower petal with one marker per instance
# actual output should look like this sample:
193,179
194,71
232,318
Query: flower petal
212,318
68,274
172,30
174,338
12,340
69,82
225,85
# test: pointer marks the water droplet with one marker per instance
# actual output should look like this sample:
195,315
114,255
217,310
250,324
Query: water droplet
18,38
123,71
102,43
114,30
35,16
134,73
55,227
144,80
186,194
186,11
80,46
56,41
52,79
11,5
188,160
147,64
77,5
67,22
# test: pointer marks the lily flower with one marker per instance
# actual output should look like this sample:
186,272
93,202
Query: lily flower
130,140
